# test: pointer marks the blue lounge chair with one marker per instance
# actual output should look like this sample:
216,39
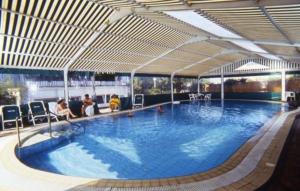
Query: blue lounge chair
9,113
37,110
138,100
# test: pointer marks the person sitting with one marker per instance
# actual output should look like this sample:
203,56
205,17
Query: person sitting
114,102
63,109
87,101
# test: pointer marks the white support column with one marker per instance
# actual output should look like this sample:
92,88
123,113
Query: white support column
114,17
172,88
283,85
198,84
225,52
222,82
131,86
190,41
66,85
258,42
93,85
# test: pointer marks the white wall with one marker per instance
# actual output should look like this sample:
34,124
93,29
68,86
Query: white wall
58,92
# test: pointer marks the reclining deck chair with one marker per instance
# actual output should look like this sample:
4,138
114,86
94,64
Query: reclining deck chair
192,97
53,111
9,114
138,101
37,110
207,97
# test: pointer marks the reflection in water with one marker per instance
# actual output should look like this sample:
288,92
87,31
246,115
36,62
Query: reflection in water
124,147
187,138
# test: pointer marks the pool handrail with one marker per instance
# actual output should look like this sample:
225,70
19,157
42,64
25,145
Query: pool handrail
49,114
70,122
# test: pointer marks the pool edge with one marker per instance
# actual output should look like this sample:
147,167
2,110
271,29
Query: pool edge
206,178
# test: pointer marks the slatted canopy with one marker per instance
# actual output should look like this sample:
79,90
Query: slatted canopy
125,36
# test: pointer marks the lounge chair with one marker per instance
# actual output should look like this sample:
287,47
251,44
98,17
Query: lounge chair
200,96
192,97
106,109
207,97
291,95
37,110
100,99
138,101
89,110
54,112
9,114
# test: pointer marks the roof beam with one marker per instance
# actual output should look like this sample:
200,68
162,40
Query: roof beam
47,20
196,6
213,5
279,29
272,43
205,60
270,18
34,55
192,40
117,15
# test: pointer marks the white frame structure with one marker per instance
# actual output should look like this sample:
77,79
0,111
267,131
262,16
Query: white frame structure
272,66
140,37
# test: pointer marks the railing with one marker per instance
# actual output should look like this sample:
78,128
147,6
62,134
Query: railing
50,126
18,132
75,83
70,122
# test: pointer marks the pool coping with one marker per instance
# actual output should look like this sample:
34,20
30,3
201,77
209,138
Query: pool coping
246,161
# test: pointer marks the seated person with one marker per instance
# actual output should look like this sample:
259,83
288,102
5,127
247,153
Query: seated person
62,109
87,101
114,102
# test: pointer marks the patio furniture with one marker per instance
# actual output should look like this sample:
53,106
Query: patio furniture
89,110
207,97
192,97
53,111
138,101
200,96
37,110
9,114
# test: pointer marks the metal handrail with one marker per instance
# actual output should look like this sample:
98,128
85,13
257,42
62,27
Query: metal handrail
18,132
49,123
70,122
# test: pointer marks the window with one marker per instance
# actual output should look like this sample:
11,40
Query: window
152,85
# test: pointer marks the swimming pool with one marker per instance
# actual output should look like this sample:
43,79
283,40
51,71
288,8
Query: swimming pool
187,138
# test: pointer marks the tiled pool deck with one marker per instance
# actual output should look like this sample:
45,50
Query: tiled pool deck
249,168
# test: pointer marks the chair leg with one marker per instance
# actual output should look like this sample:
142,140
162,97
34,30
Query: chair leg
22,125
33,120
3,125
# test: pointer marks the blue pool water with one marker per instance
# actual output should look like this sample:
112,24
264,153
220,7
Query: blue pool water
186,139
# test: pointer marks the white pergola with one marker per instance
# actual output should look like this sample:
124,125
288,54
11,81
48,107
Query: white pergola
140,37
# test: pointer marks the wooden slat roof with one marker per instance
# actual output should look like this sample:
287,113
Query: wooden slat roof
54,34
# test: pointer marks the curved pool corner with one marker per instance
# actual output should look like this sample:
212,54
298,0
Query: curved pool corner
256,158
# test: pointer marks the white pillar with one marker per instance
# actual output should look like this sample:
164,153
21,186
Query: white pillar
283,85
66,85
93,85
222,83
172,88
131,86
198,84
